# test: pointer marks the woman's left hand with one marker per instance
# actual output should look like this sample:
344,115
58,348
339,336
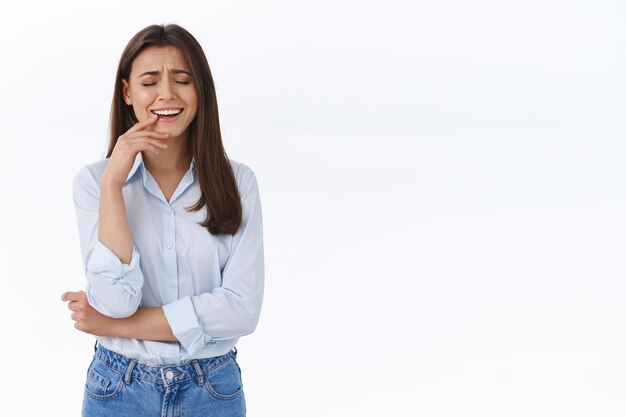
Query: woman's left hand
88,319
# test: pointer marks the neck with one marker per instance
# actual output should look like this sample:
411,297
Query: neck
175,158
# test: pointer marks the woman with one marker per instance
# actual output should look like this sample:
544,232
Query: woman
172,242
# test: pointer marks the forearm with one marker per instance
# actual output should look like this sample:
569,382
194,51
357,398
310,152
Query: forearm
113,270
113,229
148,323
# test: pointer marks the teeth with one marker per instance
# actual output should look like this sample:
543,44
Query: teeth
167,112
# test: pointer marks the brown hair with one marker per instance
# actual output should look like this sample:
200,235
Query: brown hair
215,175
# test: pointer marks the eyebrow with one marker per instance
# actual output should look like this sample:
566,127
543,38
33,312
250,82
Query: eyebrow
175,71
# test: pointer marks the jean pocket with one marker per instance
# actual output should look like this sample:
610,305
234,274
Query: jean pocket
102,381
224,382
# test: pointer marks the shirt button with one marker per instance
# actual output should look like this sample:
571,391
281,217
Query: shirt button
169,246
171,283
168,211
169,374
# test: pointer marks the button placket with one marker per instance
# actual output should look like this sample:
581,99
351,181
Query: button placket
169,242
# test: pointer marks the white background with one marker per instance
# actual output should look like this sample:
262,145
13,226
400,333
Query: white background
442,185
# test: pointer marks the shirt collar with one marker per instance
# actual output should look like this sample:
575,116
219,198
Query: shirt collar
139,162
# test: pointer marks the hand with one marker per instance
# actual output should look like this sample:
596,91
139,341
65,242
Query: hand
88,319
138,138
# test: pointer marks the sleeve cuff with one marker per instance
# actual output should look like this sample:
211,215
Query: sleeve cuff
103,262
185,325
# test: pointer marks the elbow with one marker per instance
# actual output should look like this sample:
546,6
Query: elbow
122,312
115,297
250,314
249,321
117,306
115,311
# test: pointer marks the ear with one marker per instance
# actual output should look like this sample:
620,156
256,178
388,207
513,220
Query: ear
126,92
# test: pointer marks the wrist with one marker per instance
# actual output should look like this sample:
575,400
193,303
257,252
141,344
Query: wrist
110,183
119,327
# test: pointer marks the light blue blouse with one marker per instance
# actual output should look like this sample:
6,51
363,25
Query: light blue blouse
210,287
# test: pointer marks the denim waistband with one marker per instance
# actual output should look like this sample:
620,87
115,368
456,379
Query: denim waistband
166,375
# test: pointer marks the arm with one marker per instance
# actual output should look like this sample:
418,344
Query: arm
113,229
228,311
113,286
148,323
233,309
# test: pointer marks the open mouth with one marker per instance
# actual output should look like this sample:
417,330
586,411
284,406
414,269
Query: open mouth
169,114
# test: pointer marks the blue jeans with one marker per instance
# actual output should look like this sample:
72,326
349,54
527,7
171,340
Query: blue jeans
121,387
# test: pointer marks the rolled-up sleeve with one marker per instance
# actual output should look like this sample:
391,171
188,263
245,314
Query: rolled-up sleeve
113,288
233,309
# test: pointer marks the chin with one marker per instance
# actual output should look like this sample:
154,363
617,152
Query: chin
174,132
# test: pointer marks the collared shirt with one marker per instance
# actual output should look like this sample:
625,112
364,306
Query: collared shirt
210,287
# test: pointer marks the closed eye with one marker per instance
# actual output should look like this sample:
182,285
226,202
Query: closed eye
179,82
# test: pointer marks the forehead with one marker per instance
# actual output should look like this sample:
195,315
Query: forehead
159,58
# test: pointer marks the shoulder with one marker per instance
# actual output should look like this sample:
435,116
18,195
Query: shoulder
244,175
92,171
86,182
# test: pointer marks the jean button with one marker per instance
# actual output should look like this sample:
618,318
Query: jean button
169,374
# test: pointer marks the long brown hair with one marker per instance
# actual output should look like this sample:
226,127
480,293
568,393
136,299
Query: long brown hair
215,175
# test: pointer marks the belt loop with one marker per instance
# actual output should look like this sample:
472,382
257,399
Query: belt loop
235,350
199,374
95,346
129,371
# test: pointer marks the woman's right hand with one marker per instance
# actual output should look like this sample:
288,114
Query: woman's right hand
135,140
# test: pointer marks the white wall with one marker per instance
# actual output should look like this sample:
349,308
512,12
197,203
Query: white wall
442,186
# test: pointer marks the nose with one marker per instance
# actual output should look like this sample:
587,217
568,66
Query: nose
165,90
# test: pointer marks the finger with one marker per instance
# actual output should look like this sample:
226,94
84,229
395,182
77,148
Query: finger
150,145
66,295
144,123
74,316
71,296
147,133
73,305
147,141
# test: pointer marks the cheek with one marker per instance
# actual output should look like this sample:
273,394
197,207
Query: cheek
193,112
143,98
191,99
193,107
